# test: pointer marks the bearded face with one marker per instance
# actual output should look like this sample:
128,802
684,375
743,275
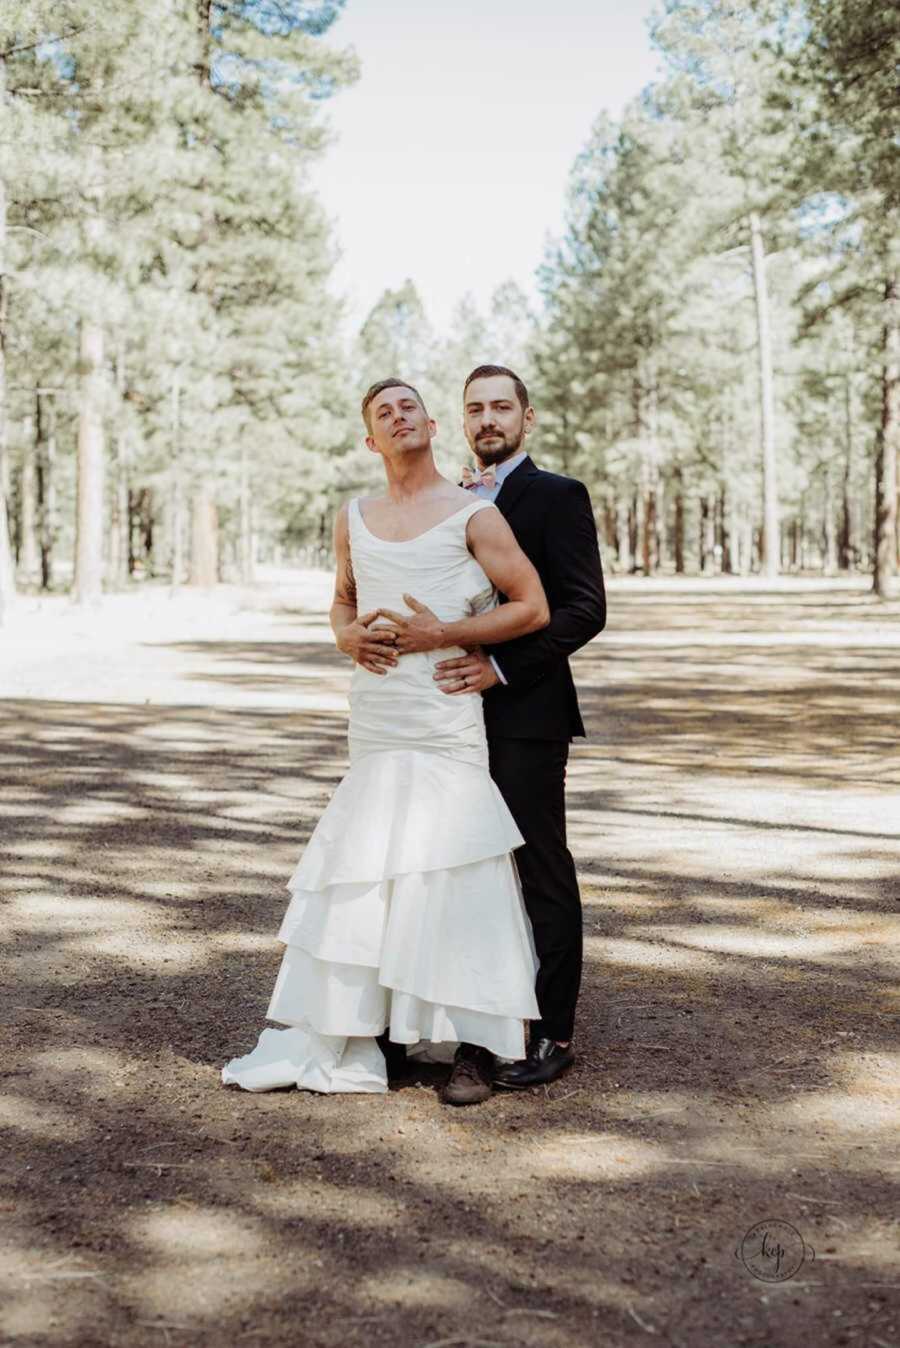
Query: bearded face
495,421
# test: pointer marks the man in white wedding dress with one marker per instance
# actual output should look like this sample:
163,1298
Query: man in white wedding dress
406,917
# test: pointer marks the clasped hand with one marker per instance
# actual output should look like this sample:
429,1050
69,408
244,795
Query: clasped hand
376,640
378,647
367,645
469,673
421,631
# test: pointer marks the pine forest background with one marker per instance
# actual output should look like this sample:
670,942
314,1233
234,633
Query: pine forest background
716,352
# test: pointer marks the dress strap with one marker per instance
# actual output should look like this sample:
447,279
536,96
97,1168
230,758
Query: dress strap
478,504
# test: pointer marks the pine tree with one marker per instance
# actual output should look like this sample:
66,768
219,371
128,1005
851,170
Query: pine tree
839,61
208,356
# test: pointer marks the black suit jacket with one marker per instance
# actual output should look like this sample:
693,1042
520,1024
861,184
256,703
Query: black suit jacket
552,520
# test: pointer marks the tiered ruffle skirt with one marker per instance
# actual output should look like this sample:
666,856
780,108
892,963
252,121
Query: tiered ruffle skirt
405,912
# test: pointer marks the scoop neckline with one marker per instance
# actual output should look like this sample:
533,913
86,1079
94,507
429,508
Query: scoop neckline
404,542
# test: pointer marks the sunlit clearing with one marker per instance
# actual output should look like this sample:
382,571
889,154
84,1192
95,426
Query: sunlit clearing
212,1257
609,898
37,1289
63,912
163,957
648,1104
754,943
799,918
610,1156
416,1287
854,1114
650,954
94,810
92,1067
248,942
320,1201
52,1122
200,1233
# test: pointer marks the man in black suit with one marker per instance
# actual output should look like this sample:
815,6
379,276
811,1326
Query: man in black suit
530,705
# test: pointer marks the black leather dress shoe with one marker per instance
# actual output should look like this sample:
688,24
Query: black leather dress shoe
544,1062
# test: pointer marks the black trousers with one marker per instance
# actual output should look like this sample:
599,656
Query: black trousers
531,775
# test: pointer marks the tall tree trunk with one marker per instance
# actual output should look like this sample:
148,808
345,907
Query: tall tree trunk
846,543
45,421
623,535
89,509
727,538
829,530
885,531
7,571
661,533
803,533
679,521
609,522
132,530
246,522
29,547
204,539
794,544
177,542
28,542
641,534
146,523
633,533
177,499
708,534
119,551
739,535
119,519
650,542
766,401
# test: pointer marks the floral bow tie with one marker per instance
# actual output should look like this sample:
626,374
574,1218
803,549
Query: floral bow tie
472,478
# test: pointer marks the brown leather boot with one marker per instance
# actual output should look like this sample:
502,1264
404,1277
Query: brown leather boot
470,1081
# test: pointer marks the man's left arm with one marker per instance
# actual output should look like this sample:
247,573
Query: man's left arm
575,586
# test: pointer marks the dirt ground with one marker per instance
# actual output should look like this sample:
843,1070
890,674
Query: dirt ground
716,1171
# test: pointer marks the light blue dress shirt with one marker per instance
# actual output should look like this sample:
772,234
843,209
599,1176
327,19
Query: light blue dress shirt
501,473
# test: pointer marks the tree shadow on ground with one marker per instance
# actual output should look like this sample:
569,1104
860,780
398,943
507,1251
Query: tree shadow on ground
737,1036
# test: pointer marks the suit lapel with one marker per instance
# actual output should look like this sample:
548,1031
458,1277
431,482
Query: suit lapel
513,486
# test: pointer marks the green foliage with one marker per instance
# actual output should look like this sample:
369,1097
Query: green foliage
647,349
156,162
154,165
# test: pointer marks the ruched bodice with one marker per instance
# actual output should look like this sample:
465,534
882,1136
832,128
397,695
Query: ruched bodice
438,569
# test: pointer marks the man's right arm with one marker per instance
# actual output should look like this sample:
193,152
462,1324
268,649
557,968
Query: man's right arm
353,633
575,581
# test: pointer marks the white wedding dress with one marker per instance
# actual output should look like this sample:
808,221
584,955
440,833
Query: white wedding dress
405,907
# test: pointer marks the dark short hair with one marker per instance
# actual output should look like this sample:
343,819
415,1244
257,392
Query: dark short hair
486,371
382,384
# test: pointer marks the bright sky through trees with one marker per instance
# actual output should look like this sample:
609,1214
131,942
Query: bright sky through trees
455,145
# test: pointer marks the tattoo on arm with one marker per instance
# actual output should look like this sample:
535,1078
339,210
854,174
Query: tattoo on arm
350,578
